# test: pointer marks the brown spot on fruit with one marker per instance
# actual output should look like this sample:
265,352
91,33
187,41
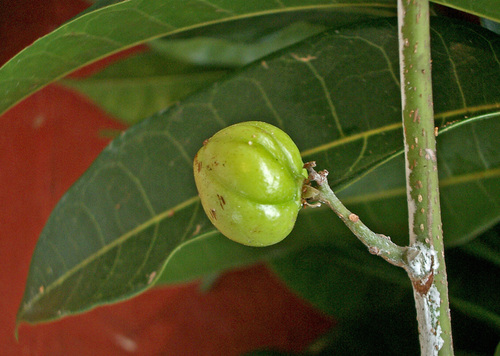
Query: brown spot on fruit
222,202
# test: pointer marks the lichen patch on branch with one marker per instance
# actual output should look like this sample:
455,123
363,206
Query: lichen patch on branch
428,306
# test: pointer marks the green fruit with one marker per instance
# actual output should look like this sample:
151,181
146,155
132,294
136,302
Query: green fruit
249,177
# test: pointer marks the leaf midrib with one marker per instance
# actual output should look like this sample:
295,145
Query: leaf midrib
121,239
445,182
398,125
492,173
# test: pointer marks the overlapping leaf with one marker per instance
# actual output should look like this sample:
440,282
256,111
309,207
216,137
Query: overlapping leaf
135,216
368,297
137,87
113,28
482,8
142,85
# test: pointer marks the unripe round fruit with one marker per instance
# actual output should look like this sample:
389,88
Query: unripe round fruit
249,177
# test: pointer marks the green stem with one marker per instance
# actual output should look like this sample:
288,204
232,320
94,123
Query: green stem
377,244
430,283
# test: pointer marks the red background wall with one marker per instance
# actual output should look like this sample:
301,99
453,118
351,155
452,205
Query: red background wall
46,142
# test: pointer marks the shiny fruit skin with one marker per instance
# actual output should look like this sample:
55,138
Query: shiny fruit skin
249,177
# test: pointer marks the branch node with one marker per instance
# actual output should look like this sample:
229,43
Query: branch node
374,250
318,177
421,264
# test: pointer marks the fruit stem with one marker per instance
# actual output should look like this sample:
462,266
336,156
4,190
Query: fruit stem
377,244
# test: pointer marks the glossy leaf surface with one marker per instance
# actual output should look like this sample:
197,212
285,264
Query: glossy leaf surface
135,212
137,87
116,27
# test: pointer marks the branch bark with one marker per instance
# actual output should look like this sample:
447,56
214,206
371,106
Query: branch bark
423,259
428,272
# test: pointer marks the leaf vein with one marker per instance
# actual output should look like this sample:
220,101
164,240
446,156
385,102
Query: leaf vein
267,101
216,7
117,242
453,67
327,95
382,51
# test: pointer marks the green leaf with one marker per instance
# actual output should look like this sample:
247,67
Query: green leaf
337,95
364,293
473,288
142,85
139,86
340,279
486,248
97,4
235,52
379,199
357,277
469,189
482,8
368,297
116,27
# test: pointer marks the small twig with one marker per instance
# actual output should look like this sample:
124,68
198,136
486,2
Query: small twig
377,244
